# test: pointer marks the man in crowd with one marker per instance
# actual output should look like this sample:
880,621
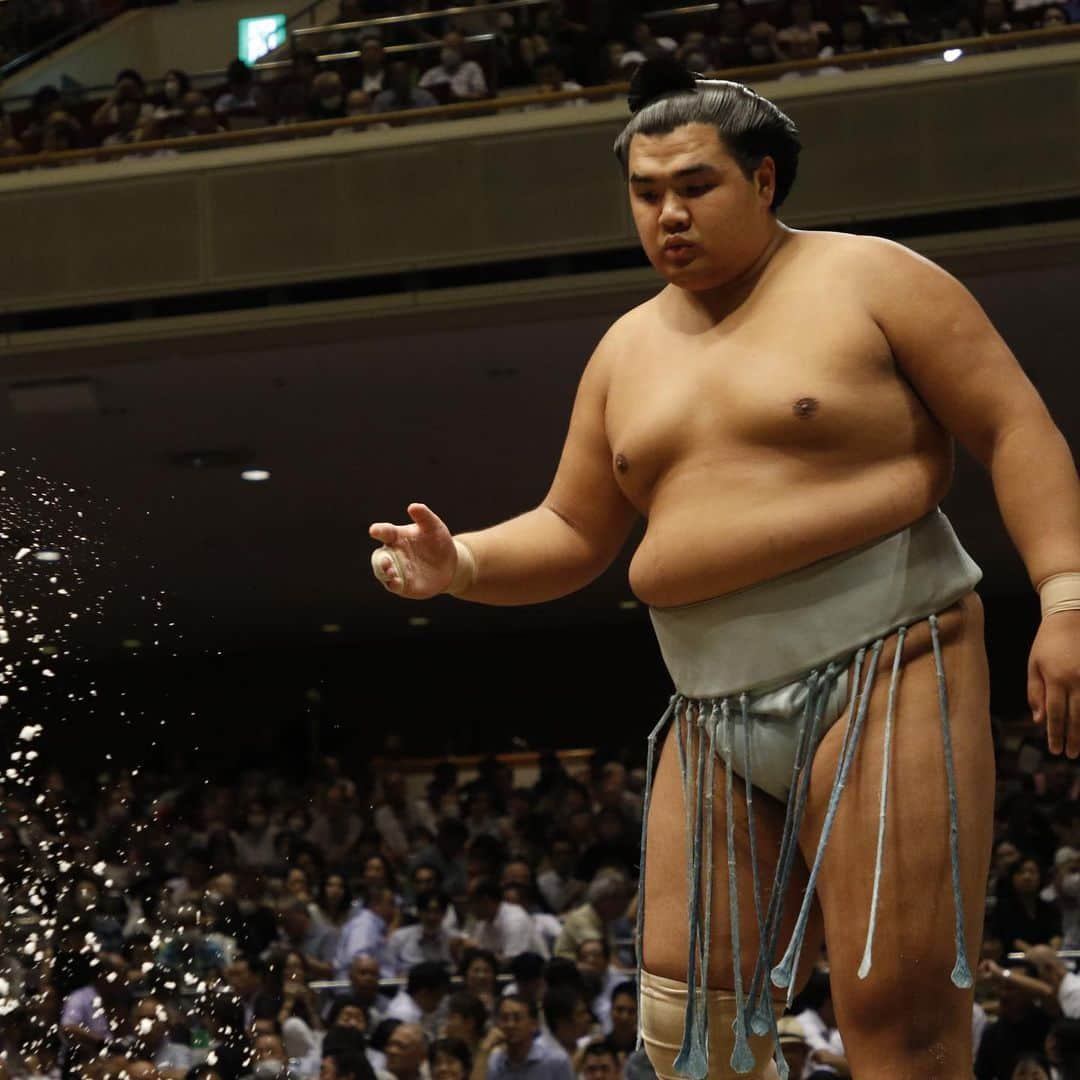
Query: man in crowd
502,928
464,78
367,933
518,1052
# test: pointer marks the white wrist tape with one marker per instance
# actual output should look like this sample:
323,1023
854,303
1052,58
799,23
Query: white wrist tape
1060,592
465,574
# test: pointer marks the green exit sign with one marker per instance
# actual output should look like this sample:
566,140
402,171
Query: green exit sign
260,35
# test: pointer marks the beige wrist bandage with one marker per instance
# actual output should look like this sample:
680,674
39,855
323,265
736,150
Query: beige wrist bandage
465,574
1060,592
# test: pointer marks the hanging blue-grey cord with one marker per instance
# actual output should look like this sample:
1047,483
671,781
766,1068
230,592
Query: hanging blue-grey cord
761,1007
703,1015
654,735
961,972
742,1057
783,975
692,1059
890,713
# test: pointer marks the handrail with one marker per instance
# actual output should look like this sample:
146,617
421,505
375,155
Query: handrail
763,72
692,9
418,16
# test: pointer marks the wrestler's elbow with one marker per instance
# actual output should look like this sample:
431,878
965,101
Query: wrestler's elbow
591,545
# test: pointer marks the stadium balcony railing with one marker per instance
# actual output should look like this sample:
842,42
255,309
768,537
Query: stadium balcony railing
944,52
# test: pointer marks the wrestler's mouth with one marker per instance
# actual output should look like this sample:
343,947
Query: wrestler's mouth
677,245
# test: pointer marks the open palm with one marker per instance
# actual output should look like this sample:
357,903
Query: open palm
416,561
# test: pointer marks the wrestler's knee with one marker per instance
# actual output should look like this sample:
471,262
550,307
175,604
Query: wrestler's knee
663,1014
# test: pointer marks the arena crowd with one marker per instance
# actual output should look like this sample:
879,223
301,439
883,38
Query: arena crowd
540,50
157,926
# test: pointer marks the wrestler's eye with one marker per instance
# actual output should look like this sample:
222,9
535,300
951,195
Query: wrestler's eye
649,197
698,189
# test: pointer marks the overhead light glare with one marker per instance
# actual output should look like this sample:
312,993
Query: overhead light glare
419,620
47,556
949,55
629,605
331,628
255,475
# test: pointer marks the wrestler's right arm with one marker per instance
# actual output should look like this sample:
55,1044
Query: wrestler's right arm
560,546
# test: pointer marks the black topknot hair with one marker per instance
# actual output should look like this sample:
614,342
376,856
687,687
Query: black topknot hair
664,75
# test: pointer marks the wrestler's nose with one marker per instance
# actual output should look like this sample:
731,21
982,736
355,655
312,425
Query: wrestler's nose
673,213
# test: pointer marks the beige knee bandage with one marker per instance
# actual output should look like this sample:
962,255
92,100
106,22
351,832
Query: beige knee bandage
663,1011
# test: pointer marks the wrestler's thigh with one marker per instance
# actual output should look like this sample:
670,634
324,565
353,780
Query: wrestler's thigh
907,1019
666,931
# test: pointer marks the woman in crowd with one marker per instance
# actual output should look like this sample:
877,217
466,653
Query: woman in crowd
1021,915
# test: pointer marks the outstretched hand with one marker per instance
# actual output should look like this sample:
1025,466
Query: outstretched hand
1054,681
416,561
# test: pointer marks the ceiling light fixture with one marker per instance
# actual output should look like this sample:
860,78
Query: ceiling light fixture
331,628
629,605
419,620
255,475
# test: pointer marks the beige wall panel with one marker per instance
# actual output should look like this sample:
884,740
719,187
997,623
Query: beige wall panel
279,219
551,190
94,242
409,204
857,159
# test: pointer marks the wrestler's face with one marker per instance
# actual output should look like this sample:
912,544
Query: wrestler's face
685,187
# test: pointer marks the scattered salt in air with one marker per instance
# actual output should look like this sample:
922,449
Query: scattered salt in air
21,553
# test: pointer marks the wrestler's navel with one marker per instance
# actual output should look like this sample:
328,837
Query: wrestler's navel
805,407
621,463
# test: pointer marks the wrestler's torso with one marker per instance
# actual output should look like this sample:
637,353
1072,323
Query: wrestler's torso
781,435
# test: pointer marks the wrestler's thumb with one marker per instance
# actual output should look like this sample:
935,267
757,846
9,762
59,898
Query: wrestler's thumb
1036,694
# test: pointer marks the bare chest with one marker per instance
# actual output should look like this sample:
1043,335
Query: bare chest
807,380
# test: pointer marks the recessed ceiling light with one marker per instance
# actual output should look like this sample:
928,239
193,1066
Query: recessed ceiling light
131,643
331,628
419,620
47,556
629,605
255,474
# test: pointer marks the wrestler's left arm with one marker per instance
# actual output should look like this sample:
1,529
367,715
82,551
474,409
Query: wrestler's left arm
968,378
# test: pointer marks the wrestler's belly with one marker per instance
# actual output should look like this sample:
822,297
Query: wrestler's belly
708,536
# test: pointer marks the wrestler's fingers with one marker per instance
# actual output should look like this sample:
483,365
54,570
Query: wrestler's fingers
387,569
384,532
424,517
1056,717
1072,721
1036,694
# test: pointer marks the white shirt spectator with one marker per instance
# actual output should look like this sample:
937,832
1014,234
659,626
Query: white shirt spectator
979,1023
467,80
568,84
1069,996
364,933
404,1007
511,932
410,946
819,1036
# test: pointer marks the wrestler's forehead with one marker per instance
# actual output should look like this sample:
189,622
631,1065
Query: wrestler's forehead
663,155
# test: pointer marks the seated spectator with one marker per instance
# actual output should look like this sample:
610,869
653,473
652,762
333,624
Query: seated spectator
622,1035
428,940
407,1052
241,94
995,18
173,88
466,1019
292,93
364,974
450,1059
1051,16
337,827
793,1045
550,79
327,97
854,34
1021,914
569,1022
268,1057
254,841
423,999
150,1029
521,1051
504,929
186,952
372,80
1021,1026
345,1065
334,904
60,133
367,934
647,43
479,970
1031,1066
729,48
598,977
599,1061
128,90
818,1022
805,37
11,147
465,78
603,915
694,54
881,13
762,44
202,121
527,969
